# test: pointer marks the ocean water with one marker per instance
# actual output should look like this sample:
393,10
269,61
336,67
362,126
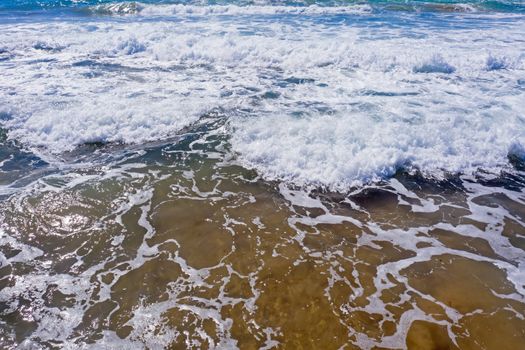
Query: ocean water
262,174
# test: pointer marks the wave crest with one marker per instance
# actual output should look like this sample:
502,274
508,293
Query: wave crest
123,8
135,8
436,64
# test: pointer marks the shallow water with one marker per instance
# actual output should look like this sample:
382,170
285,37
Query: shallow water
270,175
176,245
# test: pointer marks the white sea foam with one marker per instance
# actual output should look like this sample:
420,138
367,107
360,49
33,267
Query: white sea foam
135,8
345,150
122,8
333,105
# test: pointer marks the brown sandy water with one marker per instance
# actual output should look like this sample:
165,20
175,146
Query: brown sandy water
176,246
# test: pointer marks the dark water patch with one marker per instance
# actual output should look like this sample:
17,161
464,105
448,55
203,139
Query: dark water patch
98,66
374,197
14,157
510,179
102,152
18,325
449,183
271,95
4,116
496,63
18,166
435,65
520,85
92,148
518,162
92,74
418,186
5,54
415,180
45,46
294,81
367,92
111,67
43,60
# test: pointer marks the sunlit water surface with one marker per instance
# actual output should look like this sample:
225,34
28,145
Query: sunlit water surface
262,175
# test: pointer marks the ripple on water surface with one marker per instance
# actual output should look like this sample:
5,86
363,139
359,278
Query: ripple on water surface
182,176
176,245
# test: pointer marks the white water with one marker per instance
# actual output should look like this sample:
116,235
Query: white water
309,100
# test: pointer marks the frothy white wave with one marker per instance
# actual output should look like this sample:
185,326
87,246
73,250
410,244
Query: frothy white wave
105,121
124,8
334,105
436,64
349,150
133,8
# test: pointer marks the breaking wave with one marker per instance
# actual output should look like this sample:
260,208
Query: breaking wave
328,103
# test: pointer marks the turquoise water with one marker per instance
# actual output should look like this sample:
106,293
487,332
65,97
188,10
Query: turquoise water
505,5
